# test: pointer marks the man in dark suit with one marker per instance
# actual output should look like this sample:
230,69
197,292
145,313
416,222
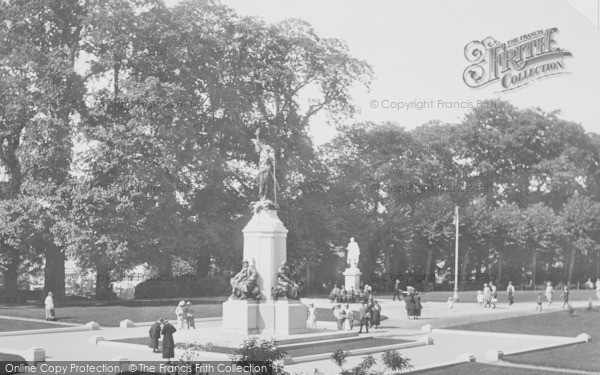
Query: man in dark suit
365,317
155,335
168,351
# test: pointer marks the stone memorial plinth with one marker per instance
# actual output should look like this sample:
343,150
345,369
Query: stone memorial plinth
352,276
265,239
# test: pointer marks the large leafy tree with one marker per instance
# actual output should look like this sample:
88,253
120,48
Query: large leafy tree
40,42
188,88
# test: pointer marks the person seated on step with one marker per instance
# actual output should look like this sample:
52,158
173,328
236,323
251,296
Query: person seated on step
344,296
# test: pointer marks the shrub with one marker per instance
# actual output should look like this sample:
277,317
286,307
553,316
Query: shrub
255,349
390,358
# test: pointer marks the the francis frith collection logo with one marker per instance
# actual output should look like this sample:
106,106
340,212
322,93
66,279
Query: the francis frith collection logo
514,63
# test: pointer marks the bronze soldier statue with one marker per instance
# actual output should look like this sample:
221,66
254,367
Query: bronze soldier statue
267,183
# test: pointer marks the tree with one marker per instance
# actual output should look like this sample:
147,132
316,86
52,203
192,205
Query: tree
580,219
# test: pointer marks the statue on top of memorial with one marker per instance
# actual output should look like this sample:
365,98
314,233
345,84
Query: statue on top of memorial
267,180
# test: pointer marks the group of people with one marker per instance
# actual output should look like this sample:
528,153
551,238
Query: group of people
166,329
340,295
549,293
488,297
413,303
185,315
369,315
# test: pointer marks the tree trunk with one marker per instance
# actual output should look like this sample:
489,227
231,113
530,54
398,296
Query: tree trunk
54,272
165,267
307,278
572,264
202,265
565,266
103,291
463,269
533,266
597,266
498,281
428,263
11,276
428,278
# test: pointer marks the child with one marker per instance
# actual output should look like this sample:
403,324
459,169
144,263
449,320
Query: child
590,306
480,298
539,302
450,303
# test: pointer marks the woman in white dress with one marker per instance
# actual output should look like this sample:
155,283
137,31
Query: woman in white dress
180,313
312,316
348,323
487,295
549,293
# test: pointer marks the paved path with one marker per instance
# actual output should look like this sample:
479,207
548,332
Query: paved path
448,344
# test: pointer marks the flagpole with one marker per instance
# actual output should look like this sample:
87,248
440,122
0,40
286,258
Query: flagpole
456,257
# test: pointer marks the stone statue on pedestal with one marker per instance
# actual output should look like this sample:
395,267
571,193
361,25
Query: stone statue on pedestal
244,284
353,253
286,287
267,180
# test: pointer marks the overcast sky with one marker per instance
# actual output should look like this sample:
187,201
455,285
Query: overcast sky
417,51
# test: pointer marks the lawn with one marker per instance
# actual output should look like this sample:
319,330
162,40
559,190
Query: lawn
109,314
481,369
520,296
22,325
576,357
297,352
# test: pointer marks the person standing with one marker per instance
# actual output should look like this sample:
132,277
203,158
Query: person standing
376,320
565,295
167,332
418,306
487,295
155,335
539,302
549,293
598,289
349,322
479,298
49,304
312,316
397,291
337,313
189,316
510,291
365,317
494,293
180,315
410,305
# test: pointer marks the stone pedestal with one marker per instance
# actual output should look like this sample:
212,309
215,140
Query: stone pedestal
352,278
241,317
265,246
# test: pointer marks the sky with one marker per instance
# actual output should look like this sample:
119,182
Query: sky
416,49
